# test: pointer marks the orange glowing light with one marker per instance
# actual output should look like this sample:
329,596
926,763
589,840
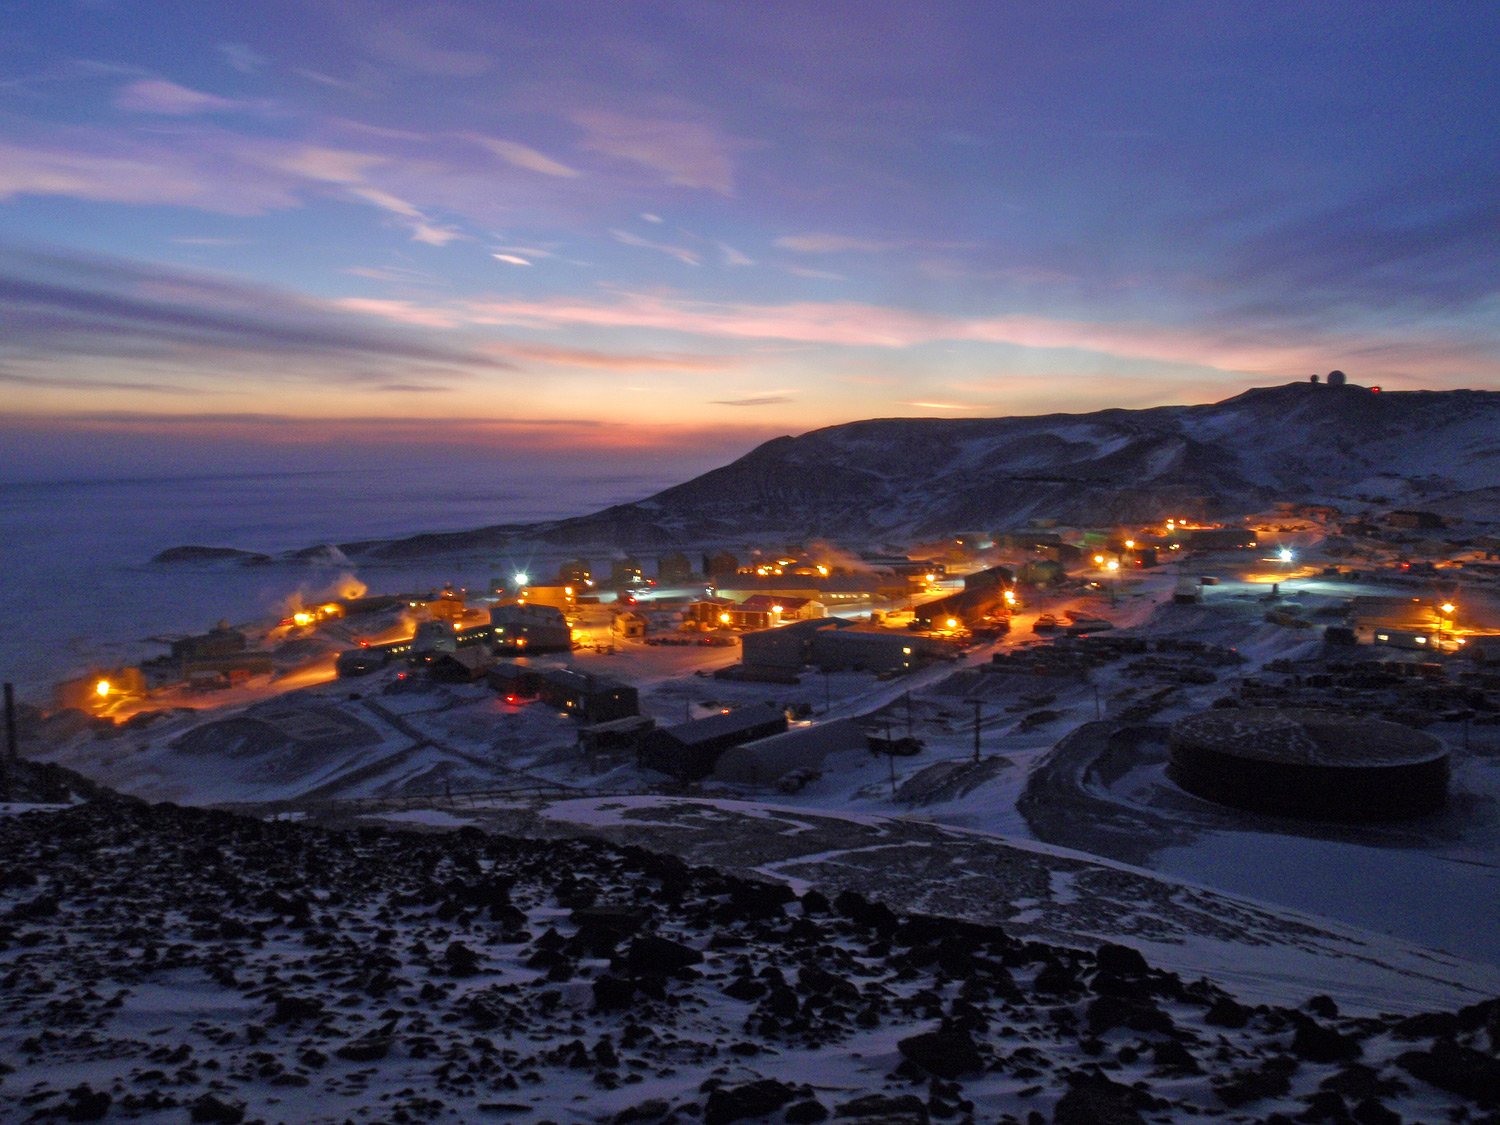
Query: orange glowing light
102,687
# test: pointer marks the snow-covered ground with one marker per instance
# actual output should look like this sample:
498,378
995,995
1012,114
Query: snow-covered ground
166,964
427,749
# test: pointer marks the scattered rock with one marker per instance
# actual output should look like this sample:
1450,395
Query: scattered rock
651,955
85,1104
369,1049
883,1109
1095,1100
946,1054
808,1112
1459,1070
209,1110
749,1100
1316,1043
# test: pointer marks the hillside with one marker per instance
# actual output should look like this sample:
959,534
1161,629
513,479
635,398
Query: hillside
899,477
167,964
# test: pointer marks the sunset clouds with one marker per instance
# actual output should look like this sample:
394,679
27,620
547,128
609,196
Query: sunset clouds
686,216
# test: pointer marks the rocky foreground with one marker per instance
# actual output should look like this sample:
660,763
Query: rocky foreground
175,965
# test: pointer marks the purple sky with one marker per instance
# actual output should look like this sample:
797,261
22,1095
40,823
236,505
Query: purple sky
646,228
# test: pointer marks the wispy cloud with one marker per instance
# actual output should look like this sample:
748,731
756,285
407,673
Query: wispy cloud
943,405
96,176
73,383
687,153
330,165
524,156
155,95
754,400
56,307
729,256
815,275
681,253
242,58
404,312
408,47
207,240
387,273
328,80
816,243
613,361
859,325
423,229
1431,245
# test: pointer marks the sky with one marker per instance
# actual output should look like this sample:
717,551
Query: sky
288,233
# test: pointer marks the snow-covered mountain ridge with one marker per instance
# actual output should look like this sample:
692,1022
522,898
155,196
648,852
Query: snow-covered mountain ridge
933,476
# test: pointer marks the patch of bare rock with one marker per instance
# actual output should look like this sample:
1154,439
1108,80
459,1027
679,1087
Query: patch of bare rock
164,964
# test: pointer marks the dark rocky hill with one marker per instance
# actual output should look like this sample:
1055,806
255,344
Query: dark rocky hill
165,964
898,477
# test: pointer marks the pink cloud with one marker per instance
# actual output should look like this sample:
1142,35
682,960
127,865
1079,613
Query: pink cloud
142,174
611,361
815,243
330,165
853,324
687,152
403,45
524,156
154,95
403,312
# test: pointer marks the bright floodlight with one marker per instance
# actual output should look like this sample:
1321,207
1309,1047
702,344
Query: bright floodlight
1447,607
102,687
1285,554
1113,565
523,579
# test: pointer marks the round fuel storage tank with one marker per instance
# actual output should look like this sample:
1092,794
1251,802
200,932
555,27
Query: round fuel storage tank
1305,763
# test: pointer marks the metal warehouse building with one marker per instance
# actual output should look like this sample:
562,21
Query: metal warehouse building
691,750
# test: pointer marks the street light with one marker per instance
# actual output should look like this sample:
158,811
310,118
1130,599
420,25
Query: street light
1446,609
1114,566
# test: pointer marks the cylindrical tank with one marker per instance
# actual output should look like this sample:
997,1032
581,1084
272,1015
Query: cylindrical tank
1305,763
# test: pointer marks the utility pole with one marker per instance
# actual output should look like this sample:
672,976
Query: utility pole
827,697
908,714
977,704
